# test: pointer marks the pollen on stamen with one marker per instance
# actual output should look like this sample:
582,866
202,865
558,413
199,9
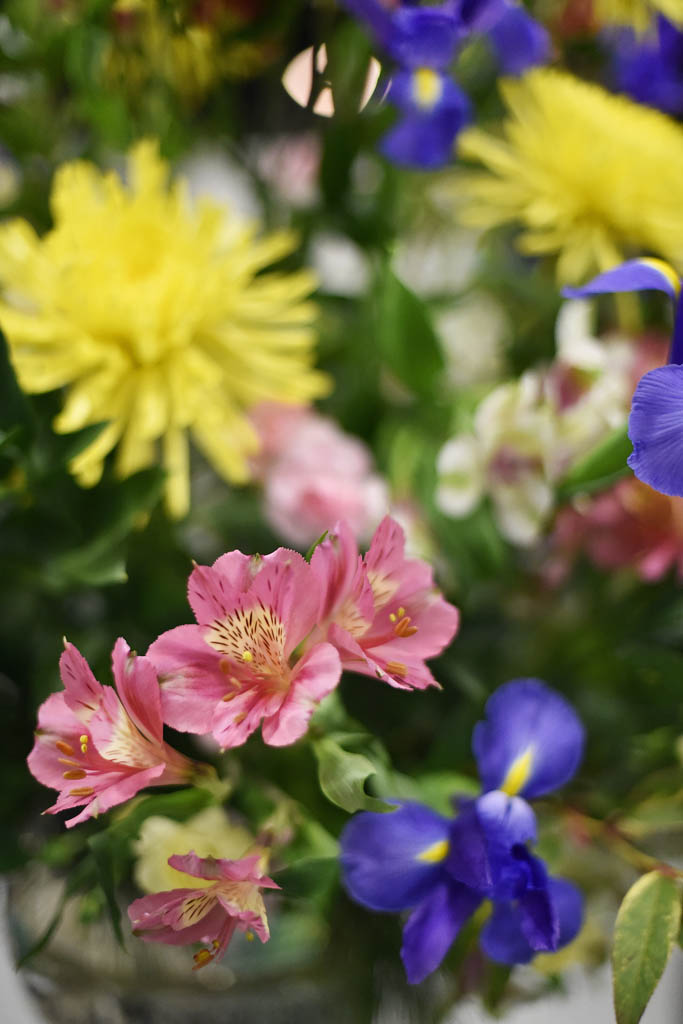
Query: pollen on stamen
250,936
83,740
65,748
392,617
82,791
397,668
74,773
404,629
201,958
247,656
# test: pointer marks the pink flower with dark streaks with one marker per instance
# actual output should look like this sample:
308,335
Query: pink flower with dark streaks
210,913
382,612
99,746
239,667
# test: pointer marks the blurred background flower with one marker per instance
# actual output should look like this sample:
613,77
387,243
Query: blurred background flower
559,172
155,318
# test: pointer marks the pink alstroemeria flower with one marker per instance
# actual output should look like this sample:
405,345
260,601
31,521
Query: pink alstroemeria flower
238,667
99,746
382,612
208,914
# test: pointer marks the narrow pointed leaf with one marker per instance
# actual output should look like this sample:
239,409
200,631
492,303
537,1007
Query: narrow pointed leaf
646,930
603,466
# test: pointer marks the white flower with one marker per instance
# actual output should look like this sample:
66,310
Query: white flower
209,833
505,457
527,433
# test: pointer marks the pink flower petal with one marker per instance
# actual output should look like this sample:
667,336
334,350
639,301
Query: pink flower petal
213,590
192,683
316,675
82,691
286,584
138,687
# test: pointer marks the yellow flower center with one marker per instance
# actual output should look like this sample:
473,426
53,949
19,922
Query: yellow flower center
427,88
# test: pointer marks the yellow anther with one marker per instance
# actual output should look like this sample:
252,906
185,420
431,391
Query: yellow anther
74,773
250,936
82,791
247,656
397,668
215,943
64,747
403,628
401,612
238,719
201,958
392,617
83,740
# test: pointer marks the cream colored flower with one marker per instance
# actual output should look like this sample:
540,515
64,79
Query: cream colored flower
209,833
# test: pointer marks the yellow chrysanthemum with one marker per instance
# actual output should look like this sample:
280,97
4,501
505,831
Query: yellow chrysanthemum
153,315
158,42
590,176
637,13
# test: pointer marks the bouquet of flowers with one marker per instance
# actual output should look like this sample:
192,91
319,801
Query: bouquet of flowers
357,324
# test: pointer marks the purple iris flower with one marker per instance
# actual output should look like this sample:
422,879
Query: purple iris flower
650,69
423,41
442,869
655,425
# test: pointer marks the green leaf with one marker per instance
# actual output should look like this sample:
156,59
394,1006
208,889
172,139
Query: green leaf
104,854
67,446
348,53
309,554
16,415
102,560
600,468
497,977
83,877
405,336
179,806
342,777
645,932
307,877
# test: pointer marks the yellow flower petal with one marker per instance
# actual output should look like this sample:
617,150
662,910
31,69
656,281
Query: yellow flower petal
588,175
155,317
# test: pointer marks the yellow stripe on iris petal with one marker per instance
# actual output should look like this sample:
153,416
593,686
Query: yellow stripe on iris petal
518,773
436,852
427,88
666,270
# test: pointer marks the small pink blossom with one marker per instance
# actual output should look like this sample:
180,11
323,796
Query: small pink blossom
629,525
99,746
208,914
314,474
238,668
382,612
